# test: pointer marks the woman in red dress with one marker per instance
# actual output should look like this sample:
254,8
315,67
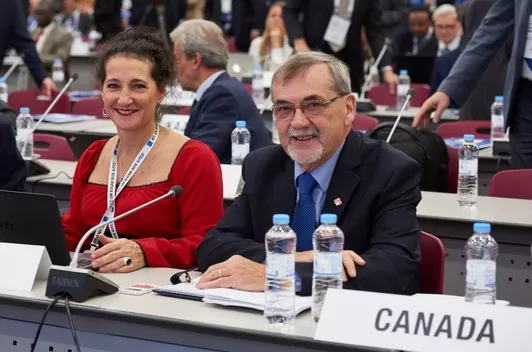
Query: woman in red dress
140,164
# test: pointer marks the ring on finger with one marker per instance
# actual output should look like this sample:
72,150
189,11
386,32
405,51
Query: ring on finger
127,261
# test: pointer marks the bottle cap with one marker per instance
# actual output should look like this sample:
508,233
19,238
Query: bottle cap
481,227
469,137
2,79
403,73
281,219
499,99
24,110
240,123
328,218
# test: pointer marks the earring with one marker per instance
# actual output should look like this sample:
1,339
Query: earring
104,113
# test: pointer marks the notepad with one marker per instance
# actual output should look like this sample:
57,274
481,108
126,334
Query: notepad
64,118
226,296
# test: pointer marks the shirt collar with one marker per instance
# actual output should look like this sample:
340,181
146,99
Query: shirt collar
452,45
323,173
206,84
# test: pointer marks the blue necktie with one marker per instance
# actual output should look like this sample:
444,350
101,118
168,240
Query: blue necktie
304,219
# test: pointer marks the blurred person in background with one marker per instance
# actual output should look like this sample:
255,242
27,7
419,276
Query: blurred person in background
419,40
107,18
248,21
76,16
272,48
394,17
447,28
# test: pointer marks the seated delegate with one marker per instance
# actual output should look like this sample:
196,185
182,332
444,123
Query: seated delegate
273,47
201,53
321,166
143,161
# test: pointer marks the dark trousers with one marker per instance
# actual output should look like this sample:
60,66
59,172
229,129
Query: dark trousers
521,127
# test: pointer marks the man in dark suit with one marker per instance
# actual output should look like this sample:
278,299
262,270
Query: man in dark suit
318,14
248,19
14,34
106,18
221,100
420,39
504,18
12,167
321,166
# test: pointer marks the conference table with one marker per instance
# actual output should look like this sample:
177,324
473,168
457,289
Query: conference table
438,214
151,322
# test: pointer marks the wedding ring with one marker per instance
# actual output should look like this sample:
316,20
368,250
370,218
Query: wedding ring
220,272
127,260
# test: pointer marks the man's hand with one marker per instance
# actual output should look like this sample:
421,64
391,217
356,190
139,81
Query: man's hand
300,45
110,258
237,272
349,259
438,103
390,79
48,87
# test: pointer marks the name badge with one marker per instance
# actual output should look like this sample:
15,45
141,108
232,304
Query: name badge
337,30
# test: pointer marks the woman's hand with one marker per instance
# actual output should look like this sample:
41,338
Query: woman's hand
118,256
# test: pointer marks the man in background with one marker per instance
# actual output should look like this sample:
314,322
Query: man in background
201,58
419,40
76,16
448,29
14,34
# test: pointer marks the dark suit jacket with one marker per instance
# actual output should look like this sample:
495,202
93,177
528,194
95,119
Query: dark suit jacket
213,118
175,10
316,17
246,16
378,186
394,16
12,167
106,18
14,34
404,44
505,17
442,66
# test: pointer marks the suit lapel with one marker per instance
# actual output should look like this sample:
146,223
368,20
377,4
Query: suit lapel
344,180
284,192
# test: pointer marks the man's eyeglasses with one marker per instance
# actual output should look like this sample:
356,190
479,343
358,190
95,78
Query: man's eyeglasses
182,276
311,108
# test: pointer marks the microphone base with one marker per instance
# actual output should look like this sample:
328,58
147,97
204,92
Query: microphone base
79,284
36,168
365,105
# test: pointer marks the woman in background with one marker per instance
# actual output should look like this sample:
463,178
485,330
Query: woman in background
140,164
272,48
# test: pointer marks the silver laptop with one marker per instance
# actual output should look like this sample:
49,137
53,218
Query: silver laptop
240,65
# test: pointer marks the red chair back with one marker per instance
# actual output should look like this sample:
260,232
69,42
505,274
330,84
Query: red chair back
29,98
56,147
432,264
231,44
512,184
364,123
89,106
481,129
380,95
452,170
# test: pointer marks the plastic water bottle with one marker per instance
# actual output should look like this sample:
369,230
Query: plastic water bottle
328,243
481,250
402,89
240,141
468,172
281,240
497,118
257,85
25,126
3,90
58,73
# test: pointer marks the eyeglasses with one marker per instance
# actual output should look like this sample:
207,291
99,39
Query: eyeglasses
182,276
311,108
446,27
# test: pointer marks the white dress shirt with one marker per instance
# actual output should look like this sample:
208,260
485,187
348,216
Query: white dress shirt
455,44
274,58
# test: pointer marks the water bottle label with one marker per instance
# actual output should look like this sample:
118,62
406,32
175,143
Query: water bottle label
240,150
256,84
58,76
481,274
402,89
23,134
328,264
468,167
497,120
280,266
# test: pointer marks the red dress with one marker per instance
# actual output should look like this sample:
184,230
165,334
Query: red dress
169,231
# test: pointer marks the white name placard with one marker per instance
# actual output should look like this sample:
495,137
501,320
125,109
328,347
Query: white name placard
411,324
21,265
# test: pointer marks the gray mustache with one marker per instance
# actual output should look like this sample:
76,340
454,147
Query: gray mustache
292,132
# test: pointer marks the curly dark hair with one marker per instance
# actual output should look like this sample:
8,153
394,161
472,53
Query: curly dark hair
144,44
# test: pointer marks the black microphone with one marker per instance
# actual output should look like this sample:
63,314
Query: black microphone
81,284
409,95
